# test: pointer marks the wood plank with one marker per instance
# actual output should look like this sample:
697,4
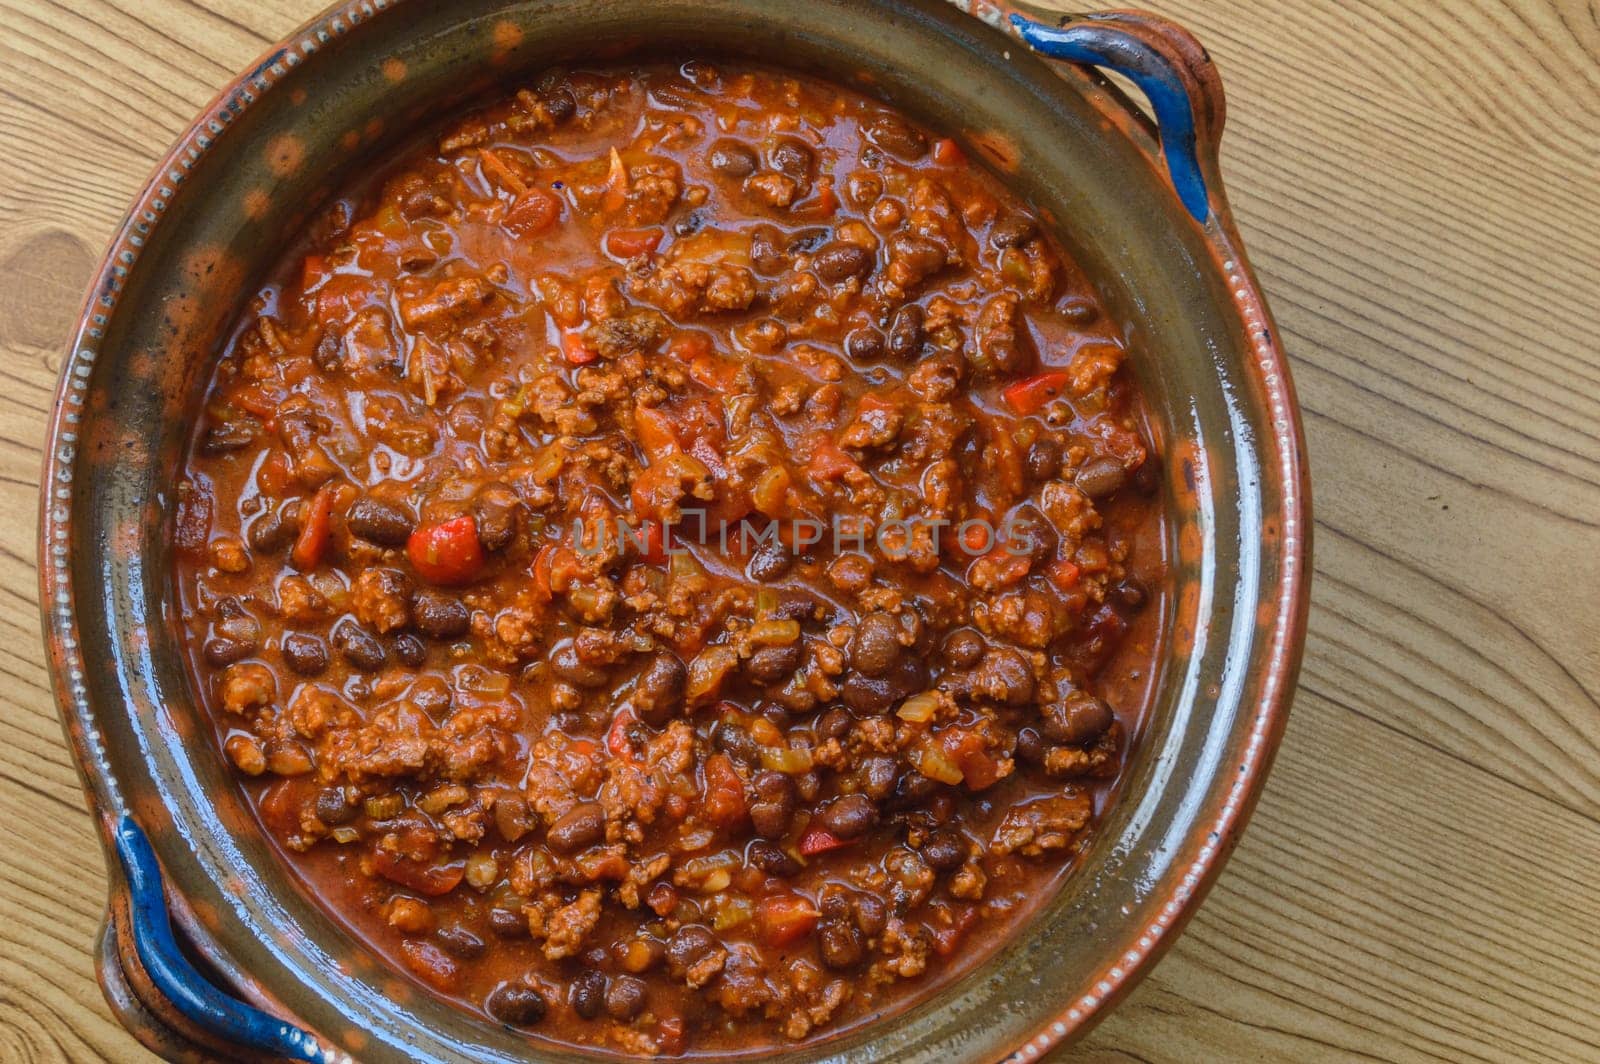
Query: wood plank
1417,182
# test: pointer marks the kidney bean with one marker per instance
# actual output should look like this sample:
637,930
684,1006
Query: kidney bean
769,562
1013,230
508,923
1044,458
771,859
875,648
459,942
271,532
222,650
865,344
793,158
410,650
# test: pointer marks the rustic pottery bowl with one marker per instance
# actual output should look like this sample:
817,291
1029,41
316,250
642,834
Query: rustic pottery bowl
255,968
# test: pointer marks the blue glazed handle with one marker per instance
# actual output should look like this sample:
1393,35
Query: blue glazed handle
173,975
1167,64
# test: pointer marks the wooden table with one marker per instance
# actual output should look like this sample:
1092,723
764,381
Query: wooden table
1420,184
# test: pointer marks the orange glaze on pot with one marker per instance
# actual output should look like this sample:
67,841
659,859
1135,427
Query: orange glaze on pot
674,560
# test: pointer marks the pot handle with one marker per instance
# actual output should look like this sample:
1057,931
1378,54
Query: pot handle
159,994
1170,66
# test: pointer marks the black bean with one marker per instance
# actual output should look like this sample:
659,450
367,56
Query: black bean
1013,230
588,993
508,923
1044,458
1077,719
894,135
838,262
333,807
625,997
875,648
769,562
410,649
774,804
864,344
878,775
559,103
906,332
358,646
734,741
797,605
658,693
517,1004
270,532
439,615
1147,478
730,158
459,942
874,694
838,940
834,722
1005,676
911,789
766,253
945,849
565,663
1031,746
1131,594
771,860
771,664
222,650
1079,311
690,945
1101,477
791,157
963,647
305,654
494,511
1028,531
228,436
379,522
580,827
849,816
329,352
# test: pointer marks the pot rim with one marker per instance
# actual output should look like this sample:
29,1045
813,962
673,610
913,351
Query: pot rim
1195,873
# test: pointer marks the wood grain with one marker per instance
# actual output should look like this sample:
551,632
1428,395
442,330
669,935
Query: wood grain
1420,185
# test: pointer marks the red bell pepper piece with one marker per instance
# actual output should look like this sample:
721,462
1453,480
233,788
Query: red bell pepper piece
820,840
315,531
1032,393
785,918
430,879
447,553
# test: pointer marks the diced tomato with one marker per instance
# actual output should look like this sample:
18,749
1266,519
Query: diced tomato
313,271
341,296
617,736
192,528
500,172
946,152
1064,574
577,349
690,346
785,918
655,542
670,1034
429,963
979,768
1032,393
260,400
724,798
655,431
631,243
316,530
828,460
820,840
430,879
713,373
448,552
532,212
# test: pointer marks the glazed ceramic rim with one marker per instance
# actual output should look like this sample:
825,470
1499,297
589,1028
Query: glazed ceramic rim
1199,867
